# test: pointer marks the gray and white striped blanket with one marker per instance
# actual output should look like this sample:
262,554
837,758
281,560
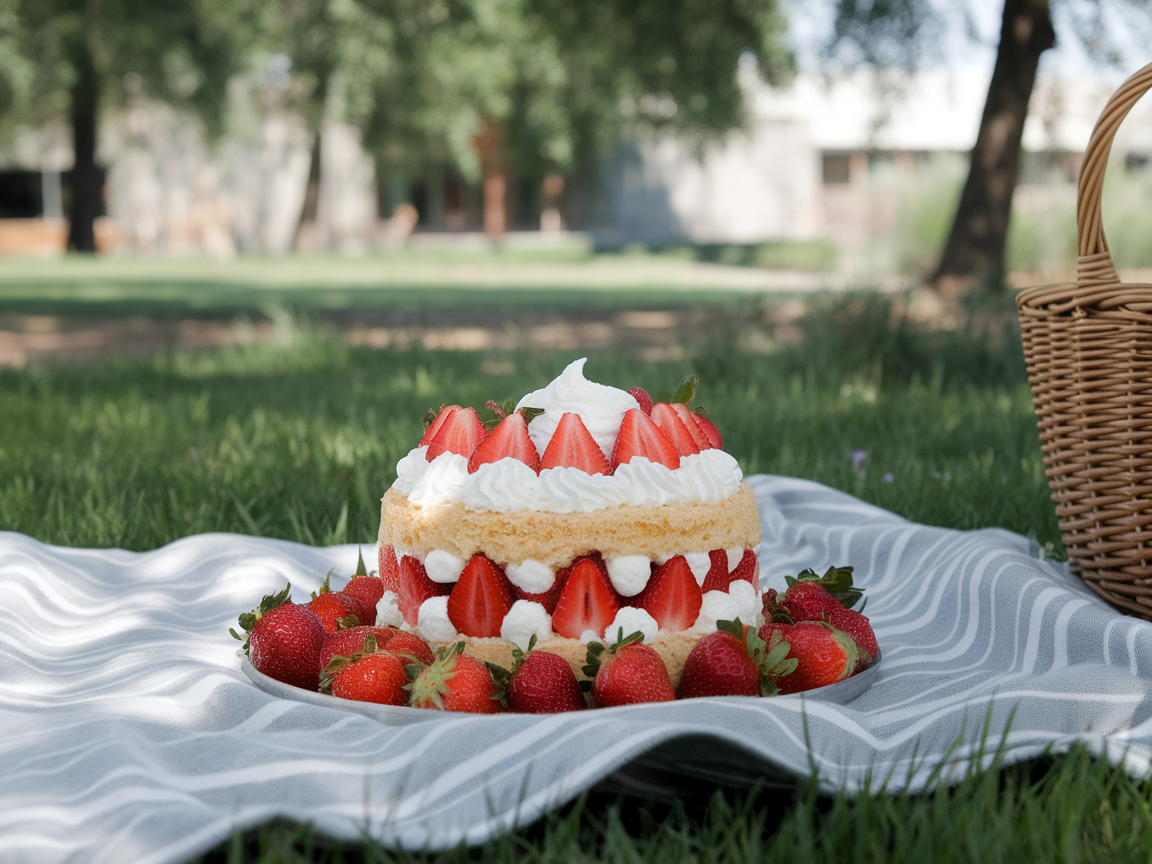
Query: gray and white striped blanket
131,734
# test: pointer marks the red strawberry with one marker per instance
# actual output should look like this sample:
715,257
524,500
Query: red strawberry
368,590
434,427
337,610
748,570
709,429
857,626
824,656
809,601
628,673
284,640
672,595
509,439
572,446
544,684
690,420
718,576
389,568
415,588
455,682
673,427
735,661
639,436
587,602
461,433
345,643
378,678
719,665
480,599
405,645
641,396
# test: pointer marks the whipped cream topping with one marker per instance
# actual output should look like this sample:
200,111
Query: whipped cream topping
432,621
508,485
600,407
627,621
717,606
443,567
524,620
629,574
531,576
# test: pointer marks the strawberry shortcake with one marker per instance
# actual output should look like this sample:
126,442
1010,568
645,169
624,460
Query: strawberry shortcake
584,513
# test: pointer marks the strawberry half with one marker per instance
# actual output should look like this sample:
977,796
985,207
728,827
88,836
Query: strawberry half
572,446
415,588
672,595
665,416
480,599
709,429
460,433
509,439
588,601
689,419
719,578
639,436
434,427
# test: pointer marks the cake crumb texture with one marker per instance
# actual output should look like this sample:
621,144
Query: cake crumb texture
556,539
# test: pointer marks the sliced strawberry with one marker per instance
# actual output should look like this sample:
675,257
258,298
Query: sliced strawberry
587,602
510,438
389,568
572,446
709,429
480,599
461,433
415,588
718,576
689,419
641,396
672,595
664,416
748,569
444,414
639,436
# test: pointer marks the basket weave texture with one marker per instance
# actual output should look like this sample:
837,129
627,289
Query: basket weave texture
1088,347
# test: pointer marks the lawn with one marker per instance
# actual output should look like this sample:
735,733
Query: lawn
298,438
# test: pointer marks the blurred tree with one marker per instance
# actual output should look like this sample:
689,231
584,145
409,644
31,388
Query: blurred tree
896,33
532,85
80,55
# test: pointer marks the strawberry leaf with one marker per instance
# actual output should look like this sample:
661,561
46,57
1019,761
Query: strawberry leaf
325,588
701,410
428,419
592,663
248,620
530,414
347,622
361,570
686,391
622,640
735,628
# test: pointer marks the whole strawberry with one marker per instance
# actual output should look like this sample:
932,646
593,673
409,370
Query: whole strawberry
338,611
808,601
628,673
369,677
348,642
367,589
409,647
857,626
824,655
542,683
735,661
455,682
283,640
812,598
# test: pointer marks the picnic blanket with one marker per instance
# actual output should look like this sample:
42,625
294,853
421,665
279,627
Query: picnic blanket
131,734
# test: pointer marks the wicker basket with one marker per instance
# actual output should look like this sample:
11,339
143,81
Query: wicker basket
1088,347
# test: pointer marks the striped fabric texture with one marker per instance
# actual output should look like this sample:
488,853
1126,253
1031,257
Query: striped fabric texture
130,733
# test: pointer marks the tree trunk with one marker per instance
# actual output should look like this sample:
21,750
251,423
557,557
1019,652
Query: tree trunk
85,204
491,144
305,239
975,250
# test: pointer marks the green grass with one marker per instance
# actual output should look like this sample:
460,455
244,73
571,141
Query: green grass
298,439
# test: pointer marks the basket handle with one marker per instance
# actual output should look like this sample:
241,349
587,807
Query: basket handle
1095,266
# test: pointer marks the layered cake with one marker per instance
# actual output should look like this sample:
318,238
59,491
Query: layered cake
584,513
